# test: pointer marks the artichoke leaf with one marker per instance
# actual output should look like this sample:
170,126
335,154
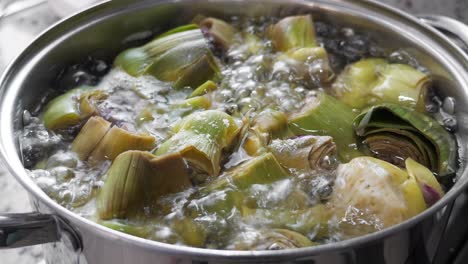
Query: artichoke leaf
195,103
181,56
221,33
89,137
200,138
309,63
295,37
203,89
293,32
265,126
89,102
259,170
117,141
430,187
64,111
326,116
136,180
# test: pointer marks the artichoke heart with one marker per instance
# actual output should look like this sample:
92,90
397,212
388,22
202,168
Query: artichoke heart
379,190
395,133
372,81
269,239
326,116
181,55
304,153
136,180
200,138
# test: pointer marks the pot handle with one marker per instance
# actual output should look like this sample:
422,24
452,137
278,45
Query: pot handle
27,229
455,30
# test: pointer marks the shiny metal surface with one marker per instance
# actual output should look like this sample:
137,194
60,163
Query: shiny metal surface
457,30
104,30
26,229
20,230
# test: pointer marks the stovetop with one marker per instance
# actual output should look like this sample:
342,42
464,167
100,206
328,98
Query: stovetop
25,19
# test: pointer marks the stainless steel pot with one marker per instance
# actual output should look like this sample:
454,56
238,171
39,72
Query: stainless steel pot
107,28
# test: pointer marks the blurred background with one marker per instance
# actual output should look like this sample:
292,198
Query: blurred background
22,20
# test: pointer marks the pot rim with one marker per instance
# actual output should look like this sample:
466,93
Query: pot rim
12,160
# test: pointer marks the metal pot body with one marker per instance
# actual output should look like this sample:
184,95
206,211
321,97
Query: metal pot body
104,30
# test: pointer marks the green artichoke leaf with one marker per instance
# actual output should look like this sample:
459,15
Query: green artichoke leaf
326,116
200,138
181,56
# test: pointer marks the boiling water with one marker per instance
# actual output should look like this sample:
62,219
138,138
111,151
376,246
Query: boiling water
253,80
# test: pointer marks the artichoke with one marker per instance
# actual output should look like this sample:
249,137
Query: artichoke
259,170
395,133
430,187
71,108
265,126
295,37
372,81
115,142
219,32
200,139
136,180
89,137
377,189
195,103
203,89
293,32
89,102
304,153
324,115
191,232
181,56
